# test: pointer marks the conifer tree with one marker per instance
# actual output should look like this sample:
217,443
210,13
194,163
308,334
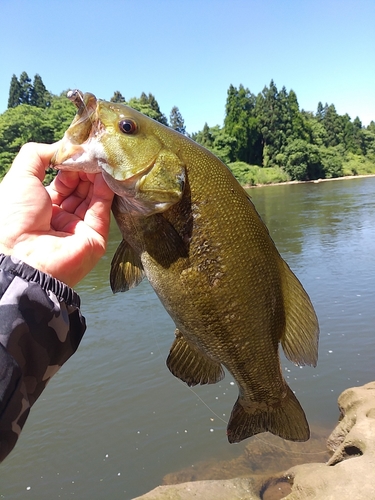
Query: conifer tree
26,88
241,124
14,93
176,121
39,94
117,97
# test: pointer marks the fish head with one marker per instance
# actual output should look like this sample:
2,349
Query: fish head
127,147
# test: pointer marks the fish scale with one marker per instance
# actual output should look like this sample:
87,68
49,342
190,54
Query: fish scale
192,230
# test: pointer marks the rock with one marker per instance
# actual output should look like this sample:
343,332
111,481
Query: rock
347,474
233,489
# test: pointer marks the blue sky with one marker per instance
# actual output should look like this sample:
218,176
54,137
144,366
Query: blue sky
188,52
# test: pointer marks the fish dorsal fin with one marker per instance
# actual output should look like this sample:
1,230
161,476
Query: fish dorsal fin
190,365
126,269
301,334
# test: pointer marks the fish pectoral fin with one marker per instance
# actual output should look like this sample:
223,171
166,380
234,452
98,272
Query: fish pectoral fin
286,420
301,334
126,269
189,364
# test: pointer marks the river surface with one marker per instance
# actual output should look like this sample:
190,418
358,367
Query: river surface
113,422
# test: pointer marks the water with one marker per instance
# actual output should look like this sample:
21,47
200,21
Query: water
113,422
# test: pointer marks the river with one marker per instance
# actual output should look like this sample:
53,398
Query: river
113,422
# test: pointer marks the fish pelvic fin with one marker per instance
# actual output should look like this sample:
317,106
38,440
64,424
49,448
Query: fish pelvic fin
189,364
126,269
301,334
286,420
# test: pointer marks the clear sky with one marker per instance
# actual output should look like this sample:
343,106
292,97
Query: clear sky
188,52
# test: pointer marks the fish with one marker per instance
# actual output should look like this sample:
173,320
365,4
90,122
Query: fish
192,230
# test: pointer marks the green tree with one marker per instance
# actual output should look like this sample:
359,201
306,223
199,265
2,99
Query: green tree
302,161
118,97
26,123
321,111
14,93
148,105
369,140
269,110
217,141
296,121
19,125
242,124
176,121
332,162
26,88
38,95
59,115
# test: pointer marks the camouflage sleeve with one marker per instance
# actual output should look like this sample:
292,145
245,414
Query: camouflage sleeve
40,328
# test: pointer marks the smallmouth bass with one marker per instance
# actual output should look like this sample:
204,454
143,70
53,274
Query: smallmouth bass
192,230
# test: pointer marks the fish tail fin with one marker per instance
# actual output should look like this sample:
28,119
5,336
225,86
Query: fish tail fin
287,420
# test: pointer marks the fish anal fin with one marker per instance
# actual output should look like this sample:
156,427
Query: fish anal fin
189,364
126,269
301,334
286,420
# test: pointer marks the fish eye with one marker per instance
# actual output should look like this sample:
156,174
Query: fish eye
128,126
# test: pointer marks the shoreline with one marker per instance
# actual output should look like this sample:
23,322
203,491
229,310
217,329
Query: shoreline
316,181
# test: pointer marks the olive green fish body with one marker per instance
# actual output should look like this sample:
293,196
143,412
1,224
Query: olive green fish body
192,230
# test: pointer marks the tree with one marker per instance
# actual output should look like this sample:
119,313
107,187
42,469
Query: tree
39,96
302,161
26,123
149,106
118,97
14,93
217,141
26,88
176,121
298,126
321,111
269,108
19,125
242,124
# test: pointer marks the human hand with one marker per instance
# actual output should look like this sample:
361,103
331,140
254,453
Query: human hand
61,230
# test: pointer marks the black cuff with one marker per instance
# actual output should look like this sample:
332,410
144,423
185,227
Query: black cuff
18,268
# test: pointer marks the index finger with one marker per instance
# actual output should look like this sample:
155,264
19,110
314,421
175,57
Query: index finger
33,159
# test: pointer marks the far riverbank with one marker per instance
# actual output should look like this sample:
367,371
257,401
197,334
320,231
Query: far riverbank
316,181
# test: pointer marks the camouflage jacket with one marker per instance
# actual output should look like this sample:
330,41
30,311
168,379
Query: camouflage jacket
40,328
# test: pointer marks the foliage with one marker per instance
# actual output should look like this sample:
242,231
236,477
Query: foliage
26,123
176,121
14,93
252,175
358,165
217,141
148,105
242,124
265,137
117,97
269,130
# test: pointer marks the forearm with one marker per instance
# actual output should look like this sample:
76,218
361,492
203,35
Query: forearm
40,328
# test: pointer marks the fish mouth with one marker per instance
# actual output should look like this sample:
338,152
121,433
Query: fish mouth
86,157
80,147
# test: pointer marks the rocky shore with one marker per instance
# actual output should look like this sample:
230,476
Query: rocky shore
340,467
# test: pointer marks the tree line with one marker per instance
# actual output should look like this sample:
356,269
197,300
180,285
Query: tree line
264,132
270,130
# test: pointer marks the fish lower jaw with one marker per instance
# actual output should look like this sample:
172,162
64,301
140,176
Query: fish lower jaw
80,158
